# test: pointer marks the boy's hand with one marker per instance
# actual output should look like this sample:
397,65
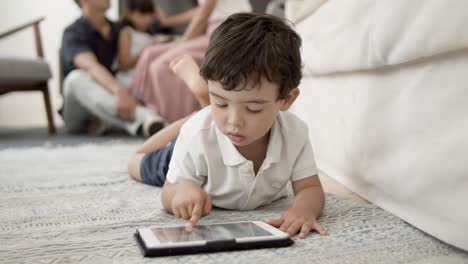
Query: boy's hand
295,220
190,202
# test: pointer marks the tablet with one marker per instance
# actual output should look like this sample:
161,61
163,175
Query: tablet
175,240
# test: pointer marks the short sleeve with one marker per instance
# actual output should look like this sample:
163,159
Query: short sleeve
305,163
73,43
183,165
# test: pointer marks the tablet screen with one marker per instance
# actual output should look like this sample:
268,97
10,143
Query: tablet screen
209,232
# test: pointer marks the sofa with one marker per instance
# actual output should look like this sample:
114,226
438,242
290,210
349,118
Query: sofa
385,97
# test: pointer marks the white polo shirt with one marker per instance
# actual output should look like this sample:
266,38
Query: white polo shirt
207,157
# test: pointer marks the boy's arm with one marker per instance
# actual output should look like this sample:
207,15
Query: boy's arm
307,207
309,195
181,194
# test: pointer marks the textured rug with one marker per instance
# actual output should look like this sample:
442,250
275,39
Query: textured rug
77,204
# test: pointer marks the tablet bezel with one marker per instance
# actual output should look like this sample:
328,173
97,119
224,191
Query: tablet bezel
152,242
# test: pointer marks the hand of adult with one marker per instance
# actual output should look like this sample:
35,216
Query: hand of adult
126,105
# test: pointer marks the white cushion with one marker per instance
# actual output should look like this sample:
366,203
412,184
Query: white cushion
343,36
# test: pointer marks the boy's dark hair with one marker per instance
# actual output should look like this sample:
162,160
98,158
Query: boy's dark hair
250,47
142,6
78,3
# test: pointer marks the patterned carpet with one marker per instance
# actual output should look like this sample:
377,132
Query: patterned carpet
77,204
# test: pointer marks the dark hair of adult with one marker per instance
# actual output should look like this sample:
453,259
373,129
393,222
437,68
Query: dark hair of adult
142,6
251,47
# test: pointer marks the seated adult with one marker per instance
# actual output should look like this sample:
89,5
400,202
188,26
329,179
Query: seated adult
93,98
155,84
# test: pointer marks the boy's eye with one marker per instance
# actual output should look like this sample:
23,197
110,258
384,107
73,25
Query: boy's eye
218,105
254,110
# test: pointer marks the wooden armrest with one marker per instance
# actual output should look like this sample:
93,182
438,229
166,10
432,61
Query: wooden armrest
37,33
21,27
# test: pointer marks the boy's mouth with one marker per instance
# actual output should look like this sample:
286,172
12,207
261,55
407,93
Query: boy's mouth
235,137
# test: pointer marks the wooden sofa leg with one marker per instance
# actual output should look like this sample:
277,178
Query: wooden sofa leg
50,117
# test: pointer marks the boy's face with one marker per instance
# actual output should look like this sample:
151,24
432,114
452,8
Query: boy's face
246,116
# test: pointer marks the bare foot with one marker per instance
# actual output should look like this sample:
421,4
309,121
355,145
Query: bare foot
188,70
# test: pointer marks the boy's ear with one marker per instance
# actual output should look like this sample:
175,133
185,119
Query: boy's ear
289,100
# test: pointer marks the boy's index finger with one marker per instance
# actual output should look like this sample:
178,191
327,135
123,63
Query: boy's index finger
188,227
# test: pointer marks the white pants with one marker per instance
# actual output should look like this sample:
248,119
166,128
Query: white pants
85,99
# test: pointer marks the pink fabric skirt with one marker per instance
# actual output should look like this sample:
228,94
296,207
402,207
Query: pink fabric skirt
158,87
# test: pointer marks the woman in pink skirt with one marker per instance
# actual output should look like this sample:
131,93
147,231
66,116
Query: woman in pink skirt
155,84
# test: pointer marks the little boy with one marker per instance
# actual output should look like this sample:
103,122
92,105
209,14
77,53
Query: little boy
243,150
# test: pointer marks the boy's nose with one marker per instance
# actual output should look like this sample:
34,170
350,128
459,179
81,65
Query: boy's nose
235,118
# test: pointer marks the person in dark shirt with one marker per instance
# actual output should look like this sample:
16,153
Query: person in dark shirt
93,98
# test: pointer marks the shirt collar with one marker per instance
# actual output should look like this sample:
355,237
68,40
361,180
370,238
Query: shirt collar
232,157
90,28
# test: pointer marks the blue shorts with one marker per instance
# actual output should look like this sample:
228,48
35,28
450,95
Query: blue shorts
154,165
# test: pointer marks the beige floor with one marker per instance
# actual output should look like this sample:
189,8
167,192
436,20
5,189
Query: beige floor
332,186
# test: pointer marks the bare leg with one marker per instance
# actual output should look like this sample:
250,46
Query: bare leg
157,141
187,69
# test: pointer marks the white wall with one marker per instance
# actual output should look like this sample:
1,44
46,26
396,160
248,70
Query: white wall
27,108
